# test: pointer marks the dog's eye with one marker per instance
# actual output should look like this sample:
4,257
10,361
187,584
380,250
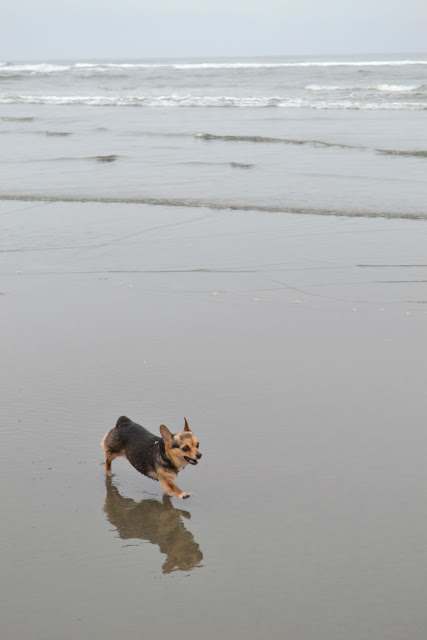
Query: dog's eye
197,445
186,448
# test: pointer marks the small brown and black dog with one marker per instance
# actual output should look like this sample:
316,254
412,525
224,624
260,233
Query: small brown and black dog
158,458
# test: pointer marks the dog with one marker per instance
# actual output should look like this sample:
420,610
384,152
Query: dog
157,458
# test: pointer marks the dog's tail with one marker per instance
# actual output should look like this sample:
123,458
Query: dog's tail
112,435
122,420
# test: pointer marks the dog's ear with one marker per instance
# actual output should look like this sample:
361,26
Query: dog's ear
166,435
186,428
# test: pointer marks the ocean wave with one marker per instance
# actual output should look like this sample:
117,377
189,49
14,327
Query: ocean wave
209,101
323,87
312,63
123,65
216,206
34,68
106,159
145,101
313,143
49,67
17,118
389,88
392,88
405,154
59,134
272,140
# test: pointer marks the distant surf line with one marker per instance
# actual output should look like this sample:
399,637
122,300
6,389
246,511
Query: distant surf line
49,67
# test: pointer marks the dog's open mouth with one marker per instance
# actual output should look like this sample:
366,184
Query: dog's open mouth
190,460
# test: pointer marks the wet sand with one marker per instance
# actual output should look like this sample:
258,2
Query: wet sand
295,347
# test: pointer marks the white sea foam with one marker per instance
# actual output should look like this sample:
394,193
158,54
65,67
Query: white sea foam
146,101
322,87
389,88
310,63
34,68
397,88
208,101
103,66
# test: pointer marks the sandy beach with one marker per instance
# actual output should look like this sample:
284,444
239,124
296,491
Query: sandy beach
294,346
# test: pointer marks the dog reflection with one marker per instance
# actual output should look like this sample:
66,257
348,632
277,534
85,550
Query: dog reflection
159,523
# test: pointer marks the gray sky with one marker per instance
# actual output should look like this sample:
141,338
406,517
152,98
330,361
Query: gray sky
82,29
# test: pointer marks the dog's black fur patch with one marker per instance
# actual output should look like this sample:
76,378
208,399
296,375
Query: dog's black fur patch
144,450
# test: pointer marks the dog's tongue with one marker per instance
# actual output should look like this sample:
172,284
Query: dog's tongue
192,461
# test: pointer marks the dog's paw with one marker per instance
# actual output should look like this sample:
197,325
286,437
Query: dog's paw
184,495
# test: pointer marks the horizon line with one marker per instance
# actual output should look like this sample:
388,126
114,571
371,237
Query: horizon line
4,60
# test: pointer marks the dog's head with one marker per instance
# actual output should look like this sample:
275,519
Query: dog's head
182,448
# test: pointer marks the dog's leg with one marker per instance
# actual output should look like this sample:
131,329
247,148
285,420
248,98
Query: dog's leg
109,457
168,485
108,461
111,449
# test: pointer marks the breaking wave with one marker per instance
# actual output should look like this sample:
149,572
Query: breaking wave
209,101
397,88
49,68
6,67
388,88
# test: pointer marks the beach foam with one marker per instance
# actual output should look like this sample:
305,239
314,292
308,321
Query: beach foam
208,101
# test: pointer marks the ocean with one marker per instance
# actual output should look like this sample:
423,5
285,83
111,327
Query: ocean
332,135
241,242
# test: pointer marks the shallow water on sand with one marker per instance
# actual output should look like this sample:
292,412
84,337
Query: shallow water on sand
293,345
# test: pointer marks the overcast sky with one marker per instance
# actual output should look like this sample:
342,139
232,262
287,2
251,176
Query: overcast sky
83,29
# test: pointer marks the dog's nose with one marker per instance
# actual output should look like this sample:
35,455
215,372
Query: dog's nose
198,456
